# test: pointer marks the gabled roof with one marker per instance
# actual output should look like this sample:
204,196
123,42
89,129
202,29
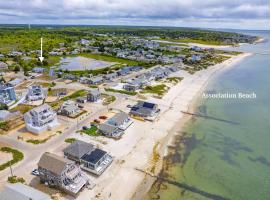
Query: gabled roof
119,118
107,128
94,92
78,148
22,192
53,163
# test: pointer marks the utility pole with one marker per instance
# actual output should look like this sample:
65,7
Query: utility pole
11,172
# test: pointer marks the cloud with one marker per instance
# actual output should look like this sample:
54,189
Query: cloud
139,12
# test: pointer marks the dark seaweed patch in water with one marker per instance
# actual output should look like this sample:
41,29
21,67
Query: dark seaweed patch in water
261,160
187,187
182,149
228,147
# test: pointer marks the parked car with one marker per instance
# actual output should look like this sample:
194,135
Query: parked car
97,121
35,172
103,117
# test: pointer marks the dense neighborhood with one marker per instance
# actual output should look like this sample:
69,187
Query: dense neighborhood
77,116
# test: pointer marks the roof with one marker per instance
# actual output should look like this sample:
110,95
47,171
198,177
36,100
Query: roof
78,148
6,115
22,192
96,79
5,86
41,108
94,92
145,104
53,163
94,156
144,108
119,118
107,128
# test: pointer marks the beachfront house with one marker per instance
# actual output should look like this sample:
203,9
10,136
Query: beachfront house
120,120
61,173
144,109
35,93
93,95
91,158
40,118
69,108
7,94
110,130
19,191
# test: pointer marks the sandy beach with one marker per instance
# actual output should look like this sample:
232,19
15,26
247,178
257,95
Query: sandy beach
143,141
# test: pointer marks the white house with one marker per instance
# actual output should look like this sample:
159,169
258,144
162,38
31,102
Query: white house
35,92
40,119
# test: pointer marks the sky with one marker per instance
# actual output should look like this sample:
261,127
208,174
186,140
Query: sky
236,14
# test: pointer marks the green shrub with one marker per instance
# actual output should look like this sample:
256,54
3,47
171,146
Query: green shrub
17,156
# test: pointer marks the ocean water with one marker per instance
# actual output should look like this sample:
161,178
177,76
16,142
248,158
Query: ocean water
227,156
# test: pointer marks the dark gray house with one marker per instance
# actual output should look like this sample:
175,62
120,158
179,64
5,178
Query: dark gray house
144,109
93,95
92,159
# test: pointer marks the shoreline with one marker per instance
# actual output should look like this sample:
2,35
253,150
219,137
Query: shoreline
169,140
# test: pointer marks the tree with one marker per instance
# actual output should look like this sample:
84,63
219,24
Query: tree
17,68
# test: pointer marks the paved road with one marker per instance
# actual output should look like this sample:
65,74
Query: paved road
32,152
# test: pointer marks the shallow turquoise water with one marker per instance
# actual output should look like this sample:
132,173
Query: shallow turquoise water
227,157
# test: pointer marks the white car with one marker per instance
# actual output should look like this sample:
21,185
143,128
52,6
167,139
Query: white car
35,172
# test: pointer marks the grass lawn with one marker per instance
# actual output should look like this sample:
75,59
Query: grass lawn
53,60
70,140
121,91
79,93
108,99
38,141
92,131
157,89
22,108
4,125
17,156
186,40
15,179
109,58
174,79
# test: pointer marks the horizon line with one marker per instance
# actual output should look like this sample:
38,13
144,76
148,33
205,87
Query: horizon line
149,26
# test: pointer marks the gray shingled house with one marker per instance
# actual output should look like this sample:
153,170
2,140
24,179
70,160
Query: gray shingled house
91,158
61,173
93,95
121,120
110,130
